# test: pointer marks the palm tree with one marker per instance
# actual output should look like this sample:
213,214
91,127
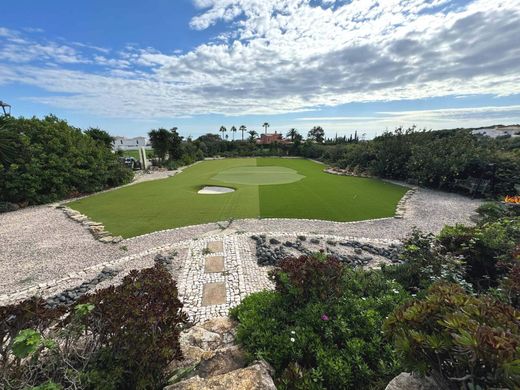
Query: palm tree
233,131
222,130
242,129
265,125
292,133
252,135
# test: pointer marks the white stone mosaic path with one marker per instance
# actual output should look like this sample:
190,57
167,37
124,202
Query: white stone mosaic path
241,276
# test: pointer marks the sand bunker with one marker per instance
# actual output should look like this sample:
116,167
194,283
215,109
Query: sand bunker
210,190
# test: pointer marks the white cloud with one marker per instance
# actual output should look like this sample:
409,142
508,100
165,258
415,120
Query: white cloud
286,56
335,118
445,118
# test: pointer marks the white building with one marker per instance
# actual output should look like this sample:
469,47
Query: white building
123,143
498,131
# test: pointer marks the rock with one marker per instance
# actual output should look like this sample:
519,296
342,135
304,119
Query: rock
315,241
219,325
223,361
195,354
254,377
106,239
96,228
202,338
406,381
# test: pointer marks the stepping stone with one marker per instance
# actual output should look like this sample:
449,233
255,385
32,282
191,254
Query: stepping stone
213,294
214,264
215,246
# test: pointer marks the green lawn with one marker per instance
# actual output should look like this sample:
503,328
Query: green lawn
265,187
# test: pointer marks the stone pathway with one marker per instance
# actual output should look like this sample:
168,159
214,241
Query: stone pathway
219,272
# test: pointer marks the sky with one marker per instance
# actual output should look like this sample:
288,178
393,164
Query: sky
346,65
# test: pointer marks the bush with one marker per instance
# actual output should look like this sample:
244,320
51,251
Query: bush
309,278
509,288
493,211
482,248
137,324
424,263
119,338
170,165
334,342
459,338
48,160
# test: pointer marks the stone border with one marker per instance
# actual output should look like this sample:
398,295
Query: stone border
400,209
344,172
97,229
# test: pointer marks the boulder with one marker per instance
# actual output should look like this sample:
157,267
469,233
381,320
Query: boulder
219,325
201,338
223,361
406,381
254,377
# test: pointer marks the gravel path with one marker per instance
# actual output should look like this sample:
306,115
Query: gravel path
40,244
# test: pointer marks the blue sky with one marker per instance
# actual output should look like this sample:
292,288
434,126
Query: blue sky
362,65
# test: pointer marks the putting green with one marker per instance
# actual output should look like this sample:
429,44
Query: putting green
258,175
264,187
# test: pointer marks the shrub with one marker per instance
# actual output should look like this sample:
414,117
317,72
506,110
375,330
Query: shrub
137,325
29,314
493,211
170,165
309,278
334,342
483,248
49,160
509,289
121,337
459,338
424,263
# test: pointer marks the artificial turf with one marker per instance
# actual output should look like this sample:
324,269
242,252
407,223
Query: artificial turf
264,187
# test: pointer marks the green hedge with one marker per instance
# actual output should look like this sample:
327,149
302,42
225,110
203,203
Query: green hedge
44,160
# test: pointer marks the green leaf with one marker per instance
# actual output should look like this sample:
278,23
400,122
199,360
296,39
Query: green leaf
26,343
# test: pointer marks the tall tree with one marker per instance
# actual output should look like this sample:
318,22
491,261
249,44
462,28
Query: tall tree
252,135
100,136
292,133
265,126
160,142
233,131
222,131
316,134
242,129
174,144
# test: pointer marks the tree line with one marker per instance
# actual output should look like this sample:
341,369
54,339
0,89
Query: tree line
452,160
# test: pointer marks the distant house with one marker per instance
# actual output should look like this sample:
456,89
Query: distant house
123,143
267,139
498,131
